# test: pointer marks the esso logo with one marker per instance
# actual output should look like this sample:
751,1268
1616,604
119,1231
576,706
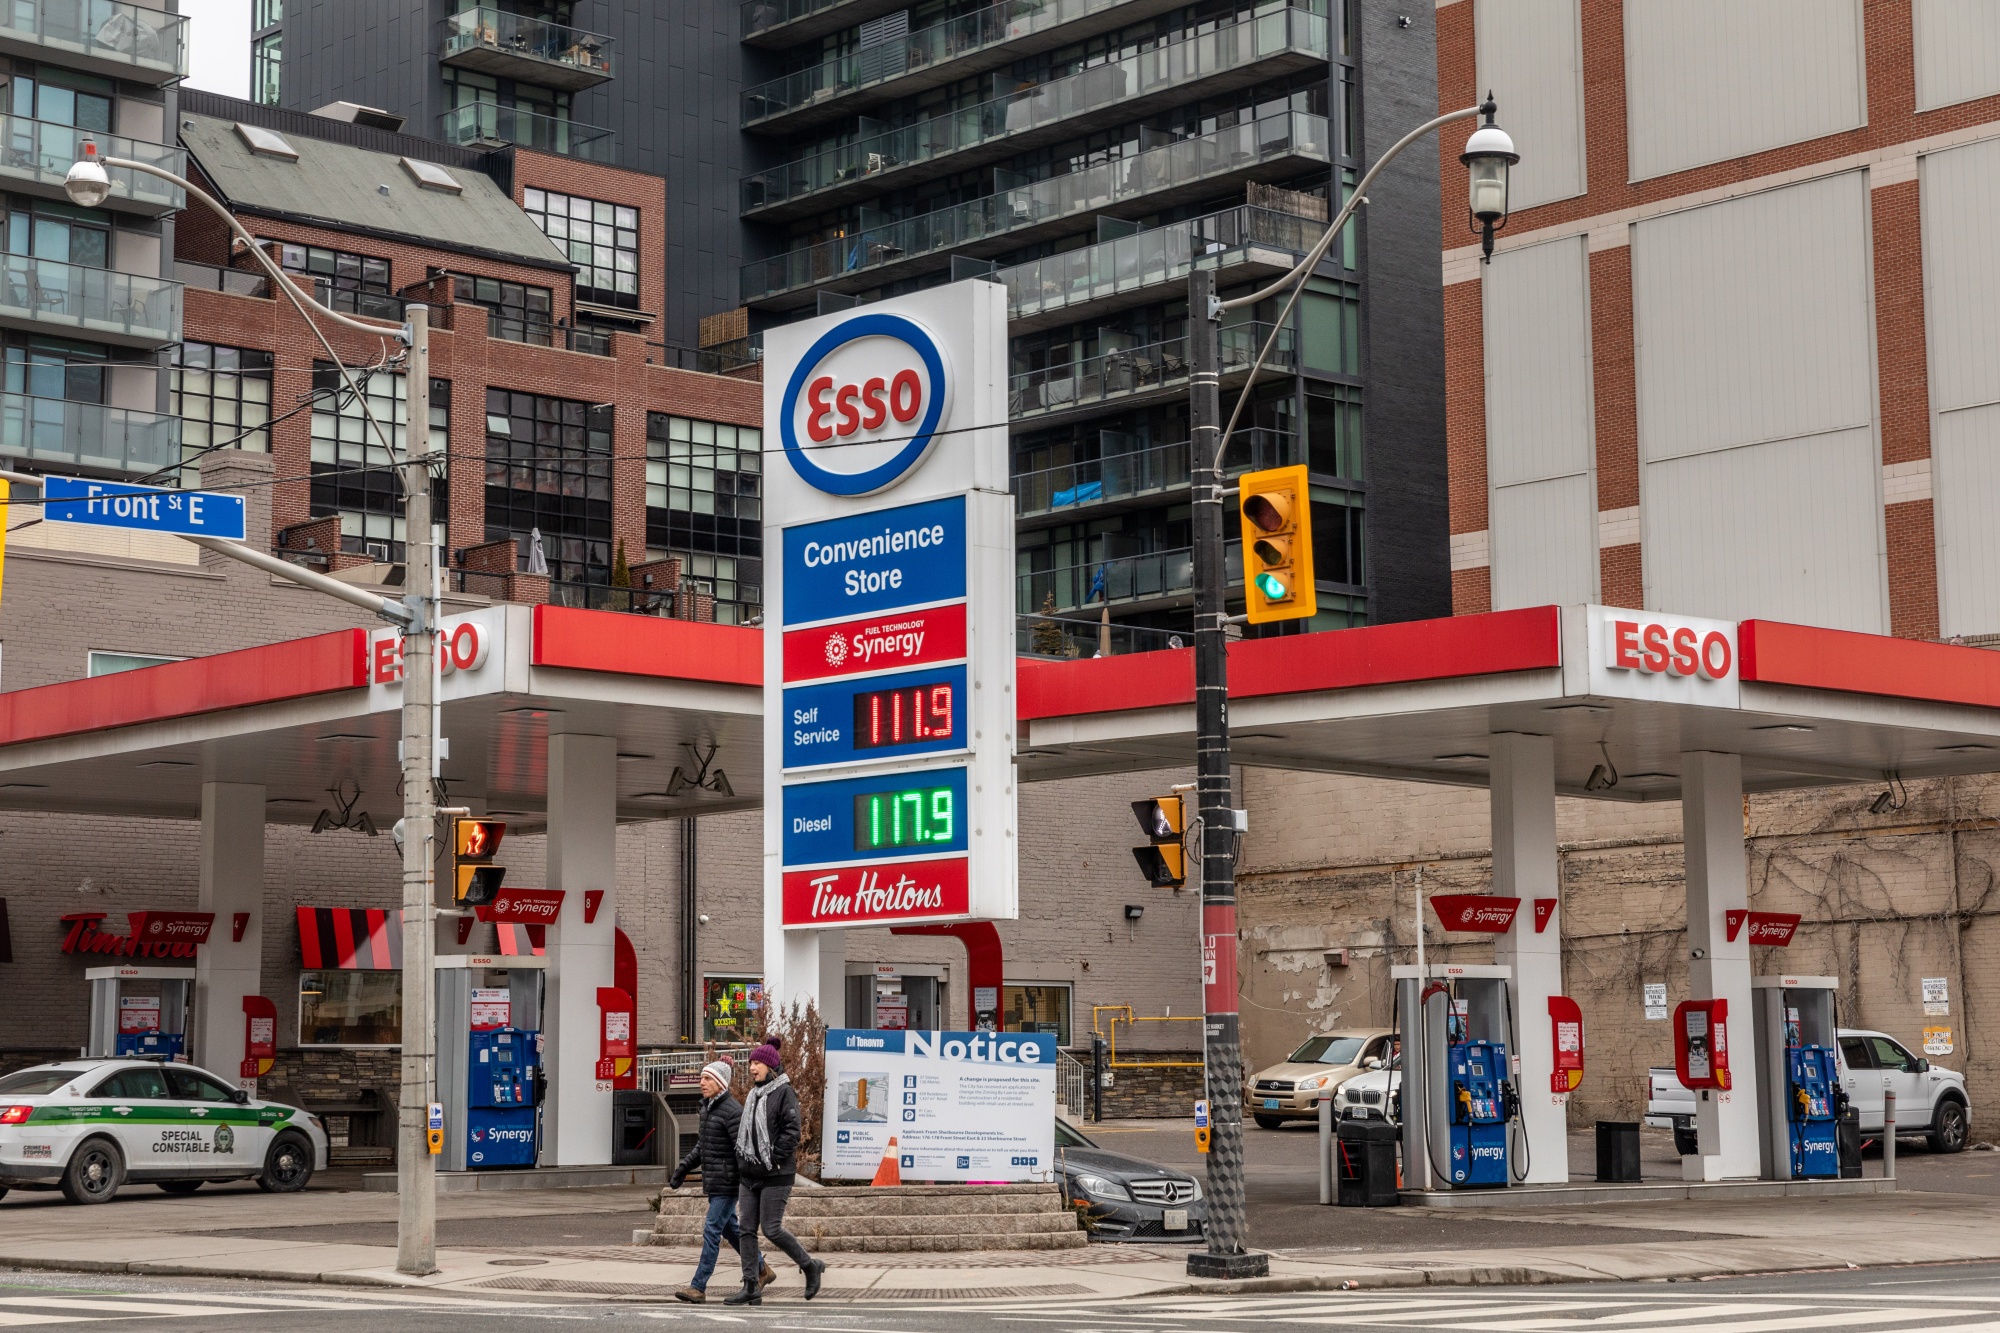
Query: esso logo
861,409
1669,650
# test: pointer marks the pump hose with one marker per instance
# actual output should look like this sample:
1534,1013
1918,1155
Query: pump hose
1442,1173
1527,1149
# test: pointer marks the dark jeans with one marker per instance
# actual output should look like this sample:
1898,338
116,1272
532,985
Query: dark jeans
762,1206
720,1227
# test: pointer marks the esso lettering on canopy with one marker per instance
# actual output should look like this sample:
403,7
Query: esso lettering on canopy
461,647
1655,648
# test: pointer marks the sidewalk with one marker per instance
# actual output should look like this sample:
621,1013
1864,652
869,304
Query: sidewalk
204,1235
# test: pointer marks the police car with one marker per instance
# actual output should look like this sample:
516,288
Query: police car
87,1127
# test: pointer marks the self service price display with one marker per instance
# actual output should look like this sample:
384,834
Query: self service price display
889,644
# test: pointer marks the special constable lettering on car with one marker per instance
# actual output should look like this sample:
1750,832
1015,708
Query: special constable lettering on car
191,1141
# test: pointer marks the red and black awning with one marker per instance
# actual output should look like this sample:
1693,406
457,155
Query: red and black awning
365,938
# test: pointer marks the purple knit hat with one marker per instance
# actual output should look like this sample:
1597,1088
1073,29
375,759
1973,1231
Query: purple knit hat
767,1056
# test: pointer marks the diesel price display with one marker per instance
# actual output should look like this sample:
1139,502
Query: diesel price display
912,817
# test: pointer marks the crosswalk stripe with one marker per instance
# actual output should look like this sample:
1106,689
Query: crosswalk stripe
147,1306
1464,1310
1650,1315
1848,1318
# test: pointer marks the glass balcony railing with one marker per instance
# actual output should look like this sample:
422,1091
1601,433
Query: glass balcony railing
1148,258
1139,472
1061,637
516,46
953,39
115,439
41,152
1164,68
763,15
212,278
488,122
1130,578
99,302
1186,162
1136,370
133,39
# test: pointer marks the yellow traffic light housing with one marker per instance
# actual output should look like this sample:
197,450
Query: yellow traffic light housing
474,843
1163,820
1277,545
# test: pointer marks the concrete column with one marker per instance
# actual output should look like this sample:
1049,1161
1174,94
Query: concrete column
1712,828
1523,795
583,829
833,977
232,881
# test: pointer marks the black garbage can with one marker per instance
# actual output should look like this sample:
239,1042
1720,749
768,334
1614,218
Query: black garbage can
1847,1131
635,1128
1364,1164
1617,1152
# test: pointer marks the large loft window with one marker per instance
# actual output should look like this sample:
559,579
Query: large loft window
601,239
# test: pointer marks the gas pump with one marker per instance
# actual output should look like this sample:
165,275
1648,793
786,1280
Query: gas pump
501,1100
490,1074
1460,1103
1798,1088
127,1025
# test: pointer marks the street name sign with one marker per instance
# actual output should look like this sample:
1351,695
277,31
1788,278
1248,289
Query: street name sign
115,504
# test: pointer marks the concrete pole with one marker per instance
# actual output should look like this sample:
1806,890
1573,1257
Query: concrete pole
232,880
1712,828
583,856
416,1169
1523,797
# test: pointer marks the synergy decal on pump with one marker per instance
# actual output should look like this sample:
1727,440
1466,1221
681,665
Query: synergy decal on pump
500,1098
1812,1080
1482,1104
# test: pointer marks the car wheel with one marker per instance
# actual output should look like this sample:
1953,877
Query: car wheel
95,1171
1685,1142
288,1166
178,1186
1948,1127
1268,1122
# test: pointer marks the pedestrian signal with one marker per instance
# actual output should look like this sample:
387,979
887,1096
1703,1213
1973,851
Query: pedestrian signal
1277,545
1163,821
475,879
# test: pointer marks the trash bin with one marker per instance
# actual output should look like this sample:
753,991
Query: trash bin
1617,1152
635,1128
1364,1164
1848,1130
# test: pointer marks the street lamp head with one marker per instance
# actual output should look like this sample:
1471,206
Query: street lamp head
88,184
1488,155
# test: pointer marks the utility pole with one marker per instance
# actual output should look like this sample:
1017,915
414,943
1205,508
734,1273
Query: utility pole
1222,1047
416,1169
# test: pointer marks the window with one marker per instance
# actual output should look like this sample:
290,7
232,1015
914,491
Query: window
730,1008
1330,327
137,1085
521,314
352,475
1888,1055
267,61
110,664
37,1082
191,1085
602,239
1328,1051
1333,431
1035,1006
350,1008
266,14
223,397
704,503
548,470
266,143
56,368
1855,1051
357,284
85,105
59,232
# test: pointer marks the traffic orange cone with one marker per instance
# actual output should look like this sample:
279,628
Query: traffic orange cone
890,1172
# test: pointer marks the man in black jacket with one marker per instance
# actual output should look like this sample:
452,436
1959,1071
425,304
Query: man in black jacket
767,1162
715,1153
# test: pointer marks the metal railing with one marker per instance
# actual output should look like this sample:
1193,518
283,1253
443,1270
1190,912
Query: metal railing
1128,578
722,359
90,300
1170,65
214,278
56,430
1132,370
995,25
1136,472
763,15
1187,161
103,30
680,1071
486,30
1072,1084
373,305
43,151
1150,258
1067,637
488,122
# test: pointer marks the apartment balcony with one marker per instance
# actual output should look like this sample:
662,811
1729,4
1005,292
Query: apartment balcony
1133,582
512,46
35,155
488,124
1277,146
58,433
44,296
1136,376
1206,64
107,37
1135,479
958,48
782,23
1242,244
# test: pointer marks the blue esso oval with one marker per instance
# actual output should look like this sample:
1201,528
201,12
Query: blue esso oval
868,395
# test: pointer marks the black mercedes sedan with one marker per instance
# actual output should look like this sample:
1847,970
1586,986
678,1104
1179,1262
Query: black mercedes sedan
1123,1198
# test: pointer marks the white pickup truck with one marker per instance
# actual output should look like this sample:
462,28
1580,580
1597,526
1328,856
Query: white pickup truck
1929,1101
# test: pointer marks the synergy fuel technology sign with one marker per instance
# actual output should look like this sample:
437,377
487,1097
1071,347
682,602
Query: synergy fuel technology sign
889,652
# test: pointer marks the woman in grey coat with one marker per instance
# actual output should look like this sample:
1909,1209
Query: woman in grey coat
767,1162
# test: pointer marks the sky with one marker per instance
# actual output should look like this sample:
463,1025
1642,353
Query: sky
219,45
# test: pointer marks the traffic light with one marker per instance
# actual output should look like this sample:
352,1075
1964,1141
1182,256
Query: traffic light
1164,860
1277,545
475,879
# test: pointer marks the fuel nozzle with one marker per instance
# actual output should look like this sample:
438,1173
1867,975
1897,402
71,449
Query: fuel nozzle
1510,1101
1464,1096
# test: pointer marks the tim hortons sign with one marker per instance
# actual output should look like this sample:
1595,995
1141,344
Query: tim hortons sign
152,934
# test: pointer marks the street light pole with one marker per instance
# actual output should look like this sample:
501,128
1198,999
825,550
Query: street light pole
1488,155
89,185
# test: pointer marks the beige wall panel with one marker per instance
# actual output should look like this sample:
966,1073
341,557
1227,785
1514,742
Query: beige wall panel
1708,80
1538,397
1958,51
1965,462
1530,57
1961,199
1544,536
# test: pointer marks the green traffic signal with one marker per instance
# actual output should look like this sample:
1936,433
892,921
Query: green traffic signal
1272,587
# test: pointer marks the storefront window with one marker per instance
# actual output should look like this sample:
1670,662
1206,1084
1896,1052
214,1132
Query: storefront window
730,1008
1035,1007
350,1008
